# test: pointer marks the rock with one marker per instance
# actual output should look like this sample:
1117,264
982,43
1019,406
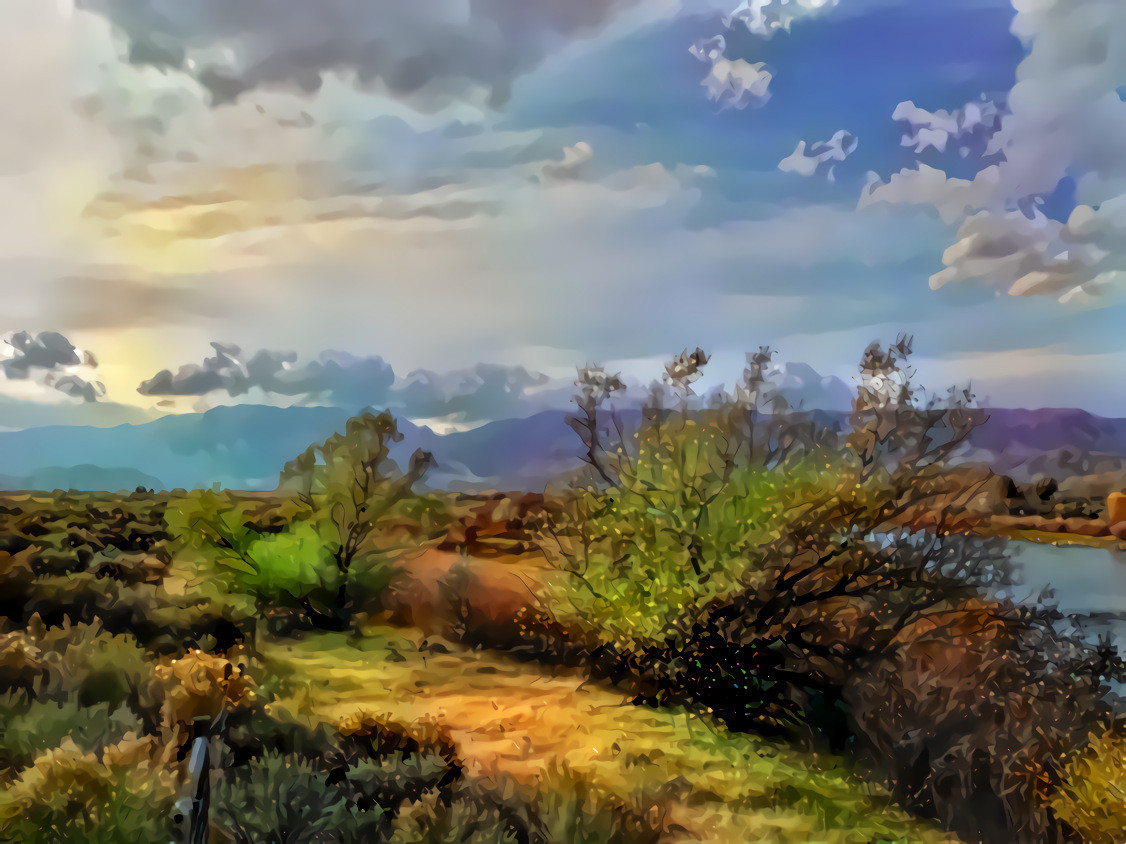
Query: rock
1116,507
1045,488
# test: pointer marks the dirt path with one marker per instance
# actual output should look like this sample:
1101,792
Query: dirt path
510,719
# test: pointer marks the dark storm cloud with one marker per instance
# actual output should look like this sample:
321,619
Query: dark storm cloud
341,378
77,387
481,392
47,350
48,355
422,50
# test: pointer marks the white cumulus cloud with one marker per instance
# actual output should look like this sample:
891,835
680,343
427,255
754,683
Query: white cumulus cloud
820,156
766,17
734,83
1064,119
970,127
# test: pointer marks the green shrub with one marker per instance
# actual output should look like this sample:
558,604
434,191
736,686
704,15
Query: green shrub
31,729
92,665
219,540
282,799
678,530
430,821
286,568
122,796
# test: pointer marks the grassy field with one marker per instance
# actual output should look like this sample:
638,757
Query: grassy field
519,723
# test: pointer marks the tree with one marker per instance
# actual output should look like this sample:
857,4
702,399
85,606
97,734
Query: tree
768,570
595,386
351,482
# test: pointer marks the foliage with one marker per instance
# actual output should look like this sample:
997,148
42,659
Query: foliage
282,799
21,663
676,531
124,539
351,482
287,567
93,665
997,738
1092,796
122,795
88,558
79,665
755,565
31,728
200,686
278,566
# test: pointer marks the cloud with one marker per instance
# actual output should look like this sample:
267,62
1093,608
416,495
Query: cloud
953,199
733,83
113,301
764,18
1065,120
972,127
48,350
77,387
737,83
574,157
819,158
337,376
485,391
475,394
426,53
54,359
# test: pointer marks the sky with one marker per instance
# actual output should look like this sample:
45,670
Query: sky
294,202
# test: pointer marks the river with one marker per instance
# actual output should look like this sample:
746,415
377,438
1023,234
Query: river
1089,586
1088,582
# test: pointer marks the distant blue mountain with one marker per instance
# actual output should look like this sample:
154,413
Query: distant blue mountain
241,447
85,477
245,446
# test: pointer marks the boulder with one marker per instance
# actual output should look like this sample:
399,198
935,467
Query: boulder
1116,507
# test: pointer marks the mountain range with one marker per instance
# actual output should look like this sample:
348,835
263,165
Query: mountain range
245,446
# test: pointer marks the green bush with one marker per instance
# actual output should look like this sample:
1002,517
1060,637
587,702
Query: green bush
679,529
122,796
286,568
430,821
282,799
92,665
219,540
33,728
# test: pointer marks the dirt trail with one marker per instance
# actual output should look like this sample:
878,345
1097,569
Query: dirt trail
509,718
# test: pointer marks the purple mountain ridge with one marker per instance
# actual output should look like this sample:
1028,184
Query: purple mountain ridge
244,447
